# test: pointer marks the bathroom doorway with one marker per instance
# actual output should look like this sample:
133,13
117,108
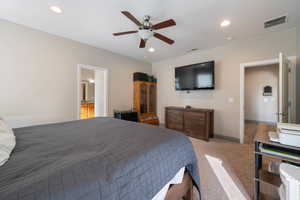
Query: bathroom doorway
92,91
87,94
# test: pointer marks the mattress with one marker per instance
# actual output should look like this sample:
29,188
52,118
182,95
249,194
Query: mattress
99,158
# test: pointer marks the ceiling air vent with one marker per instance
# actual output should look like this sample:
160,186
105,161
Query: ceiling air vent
191,50
275,22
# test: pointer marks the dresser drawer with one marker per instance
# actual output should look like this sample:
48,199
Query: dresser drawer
195,115
174,119
197,123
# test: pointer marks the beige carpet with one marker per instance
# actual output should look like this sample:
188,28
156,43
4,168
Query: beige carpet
237,167
235,160
227,168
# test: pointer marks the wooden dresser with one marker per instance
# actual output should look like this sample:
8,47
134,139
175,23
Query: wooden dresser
197,123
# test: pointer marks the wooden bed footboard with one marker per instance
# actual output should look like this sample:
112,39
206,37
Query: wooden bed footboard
183,190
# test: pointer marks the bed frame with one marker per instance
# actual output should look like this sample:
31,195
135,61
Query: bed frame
183,190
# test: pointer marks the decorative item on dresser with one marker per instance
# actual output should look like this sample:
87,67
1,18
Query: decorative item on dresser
194,122
144,99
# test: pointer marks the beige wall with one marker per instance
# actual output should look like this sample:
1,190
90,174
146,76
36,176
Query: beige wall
228,59
259,107
87,74
38,75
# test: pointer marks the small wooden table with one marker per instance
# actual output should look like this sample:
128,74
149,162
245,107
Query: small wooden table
263,176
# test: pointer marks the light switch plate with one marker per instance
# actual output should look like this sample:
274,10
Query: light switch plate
231,100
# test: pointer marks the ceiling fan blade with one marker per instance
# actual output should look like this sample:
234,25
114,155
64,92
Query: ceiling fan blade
142,43
163,38
164,24
132,18
124,33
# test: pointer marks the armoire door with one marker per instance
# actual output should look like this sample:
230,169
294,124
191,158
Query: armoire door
143,98
152,98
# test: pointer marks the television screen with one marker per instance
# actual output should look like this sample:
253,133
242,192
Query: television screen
195,77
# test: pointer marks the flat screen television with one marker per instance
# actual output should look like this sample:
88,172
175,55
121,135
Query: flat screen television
195,77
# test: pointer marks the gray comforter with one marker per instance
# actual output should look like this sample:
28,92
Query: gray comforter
100,158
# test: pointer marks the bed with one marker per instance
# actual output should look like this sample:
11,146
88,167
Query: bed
99,158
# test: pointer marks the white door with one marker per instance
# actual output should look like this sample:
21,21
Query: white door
283,107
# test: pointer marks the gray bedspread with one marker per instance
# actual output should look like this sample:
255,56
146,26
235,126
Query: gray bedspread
100,158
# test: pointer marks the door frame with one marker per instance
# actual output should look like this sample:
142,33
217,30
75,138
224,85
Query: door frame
243,67
106,87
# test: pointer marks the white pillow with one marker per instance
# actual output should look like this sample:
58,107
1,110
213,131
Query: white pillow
7,142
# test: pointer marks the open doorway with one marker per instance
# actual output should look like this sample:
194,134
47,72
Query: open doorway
261,98
92,91
87,94
285,100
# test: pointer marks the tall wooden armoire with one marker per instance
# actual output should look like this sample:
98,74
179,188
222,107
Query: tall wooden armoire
145,101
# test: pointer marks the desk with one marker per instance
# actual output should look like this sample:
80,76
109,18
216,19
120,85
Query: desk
270,180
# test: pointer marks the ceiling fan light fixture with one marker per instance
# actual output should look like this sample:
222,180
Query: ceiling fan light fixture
145,30
56,9
225,23
145,34
151,49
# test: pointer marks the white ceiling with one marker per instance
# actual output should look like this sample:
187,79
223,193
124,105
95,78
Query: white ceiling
198,21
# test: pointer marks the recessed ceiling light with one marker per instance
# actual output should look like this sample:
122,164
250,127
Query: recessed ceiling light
151,49
56,9
225,23
229,38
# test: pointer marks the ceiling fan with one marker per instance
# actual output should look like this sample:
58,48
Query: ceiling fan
146,29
